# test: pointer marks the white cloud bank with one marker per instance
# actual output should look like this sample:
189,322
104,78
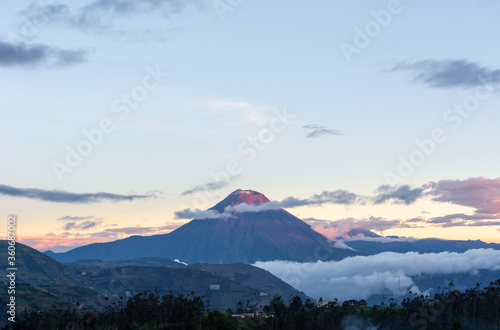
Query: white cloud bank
385,273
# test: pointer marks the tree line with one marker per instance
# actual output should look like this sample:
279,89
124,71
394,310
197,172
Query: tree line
477,308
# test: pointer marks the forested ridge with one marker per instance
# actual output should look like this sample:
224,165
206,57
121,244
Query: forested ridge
476,308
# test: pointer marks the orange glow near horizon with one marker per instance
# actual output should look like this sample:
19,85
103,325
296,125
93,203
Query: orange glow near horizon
61,242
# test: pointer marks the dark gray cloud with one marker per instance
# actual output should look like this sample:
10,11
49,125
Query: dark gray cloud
316,131
402,194
30,56
59,196
85,225
75,218
449,73
211,186
326,197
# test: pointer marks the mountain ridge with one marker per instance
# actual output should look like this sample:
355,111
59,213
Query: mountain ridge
249,236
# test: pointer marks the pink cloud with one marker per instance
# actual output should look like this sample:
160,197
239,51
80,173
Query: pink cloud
480,193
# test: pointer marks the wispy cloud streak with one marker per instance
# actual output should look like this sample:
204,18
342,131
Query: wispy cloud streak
59,196
211,186
317,131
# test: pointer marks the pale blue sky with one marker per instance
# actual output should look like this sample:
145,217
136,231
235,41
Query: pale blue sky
226,76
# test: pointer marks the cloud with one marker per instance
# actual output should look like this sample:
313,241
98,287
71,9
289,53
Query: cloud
387,273
85,225
79,222
211,186
100,15
334,229
479,193
111,17
449,73
228,211
30,56
343,197
416,220
397,195
59,196
74,218
198,214
402,194
461,216
480,223
316,131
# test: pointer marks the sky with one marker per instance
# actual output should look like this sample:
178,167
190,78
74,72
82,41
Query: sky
124,118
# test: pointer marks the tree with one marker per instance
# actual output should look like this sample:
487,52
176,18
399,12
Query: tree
239,308
457,326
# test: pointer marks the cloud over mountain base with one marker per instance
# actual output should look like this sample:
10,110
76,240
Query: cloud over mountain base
386,273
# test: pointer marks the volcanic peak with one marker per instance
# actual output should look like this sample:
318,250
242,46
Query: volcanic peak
250,197
240,196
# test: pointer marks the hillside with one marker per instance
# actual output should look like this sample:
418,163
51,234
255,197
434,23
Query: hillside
223,285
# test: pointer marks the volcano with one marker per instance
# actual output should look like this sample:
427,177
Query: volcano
246,231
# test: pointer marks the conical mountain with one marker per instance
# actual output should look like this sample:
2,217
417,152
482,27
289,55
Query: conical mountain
247,231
